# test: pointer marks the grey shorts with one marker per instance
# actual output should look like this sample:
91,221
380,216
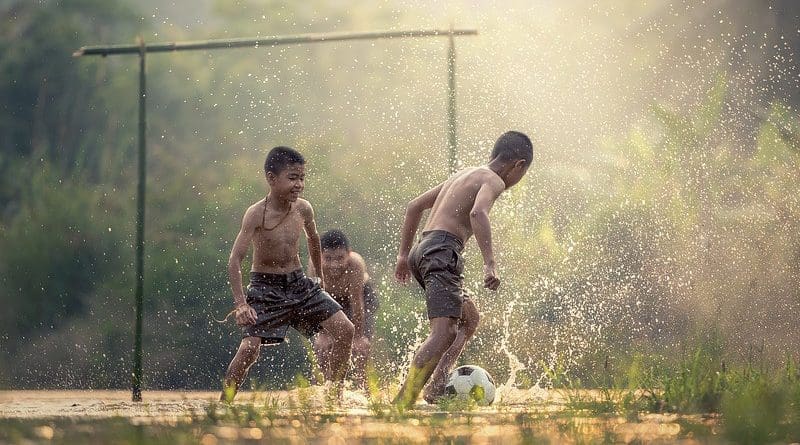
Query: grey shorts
436,263
283,300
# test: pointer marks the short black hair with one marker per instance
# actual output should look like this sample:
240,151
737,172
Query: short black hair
281,157
334,239
513,145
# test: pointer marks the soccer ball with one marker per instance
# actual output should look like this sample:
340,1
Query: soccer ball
470,381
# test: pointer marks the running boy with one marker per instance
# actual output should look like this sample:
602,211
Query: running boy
347,281
459,208
279,294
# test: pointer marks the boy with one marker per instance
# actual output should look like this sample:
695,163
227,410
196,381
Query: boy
279,294
347,281
459,208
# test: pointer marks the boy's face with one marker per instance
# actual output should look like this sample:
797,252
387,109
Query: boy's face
334,261
517,172
289,183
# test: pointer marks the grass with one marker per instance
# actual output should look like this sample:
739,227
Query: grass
634,401
755,405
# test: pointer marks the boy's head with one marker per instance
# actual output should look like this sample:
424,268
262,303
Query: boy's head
281,157
335,250
285,171
514,149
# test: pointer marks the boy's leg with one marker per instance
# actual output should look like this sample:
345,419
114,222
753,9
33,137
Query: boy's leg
245,357
443,333
341,331
323,343
467,325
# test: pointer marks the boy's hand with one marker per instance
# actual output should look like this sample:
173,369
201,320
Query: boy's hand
490,280
245,315
401,272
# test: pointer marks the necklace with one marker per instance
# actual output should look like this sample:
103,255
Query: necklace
264,216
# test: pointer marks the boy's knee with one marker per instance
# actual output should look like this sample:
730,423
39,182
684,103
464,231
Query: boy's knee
469,318
349,331
345,331
251,354
322,341
446,334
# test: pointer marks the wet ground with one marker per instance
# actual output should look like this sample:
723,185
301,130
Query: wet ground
308,416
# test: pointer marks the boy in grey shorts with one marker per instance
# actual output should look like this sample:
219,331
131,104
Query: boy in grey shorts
279,294
459,208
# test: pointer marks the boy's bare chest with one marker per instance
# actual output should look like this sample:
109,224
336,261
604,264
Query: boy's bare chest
277,231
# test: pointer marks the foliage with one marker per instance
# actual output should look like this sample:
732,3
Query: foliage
616,249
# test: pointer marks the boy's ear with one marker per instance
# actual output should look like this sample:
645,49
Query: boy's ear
271,177
520,163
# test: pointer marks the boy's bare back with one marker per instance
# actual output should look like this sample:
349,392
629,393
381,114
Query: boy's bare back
456,199
460,205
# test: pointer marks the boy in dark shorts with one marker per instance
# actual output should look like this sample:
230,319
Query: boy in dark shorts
459,208
279,294
347,281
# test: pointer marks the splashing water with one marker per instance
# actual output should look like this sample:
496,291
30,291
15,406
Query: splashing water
514,363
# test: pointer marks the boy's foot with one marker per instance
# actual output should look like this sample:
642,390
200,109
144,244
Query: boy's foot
432,395
228,393
432,399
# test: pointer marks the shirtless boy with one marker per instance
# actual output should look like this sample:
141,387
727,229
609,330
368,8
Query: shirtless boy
347,281
279,294
459,208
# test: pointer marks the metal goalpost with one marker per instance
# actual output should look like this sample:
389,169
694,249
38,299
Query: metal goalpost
141,49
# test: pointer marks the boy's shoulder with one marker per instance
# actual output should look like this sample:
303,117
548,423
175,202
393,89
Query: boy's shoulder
258,205
303,208
302,205
480,174
255,209
357,260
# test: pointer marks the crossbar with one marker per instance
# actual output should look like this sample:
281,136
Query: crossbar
254,42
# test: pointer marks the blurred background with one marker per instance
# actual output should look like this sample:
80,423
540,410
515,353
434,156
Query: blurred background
661,211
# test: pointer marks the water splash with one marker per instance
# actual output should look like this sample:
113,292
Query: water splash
514,363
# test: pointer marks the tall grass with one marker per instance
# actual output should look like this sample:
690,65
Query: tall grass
755,404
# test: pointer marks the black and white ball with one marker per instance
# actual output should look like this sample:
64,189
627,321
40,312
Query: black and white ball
470,381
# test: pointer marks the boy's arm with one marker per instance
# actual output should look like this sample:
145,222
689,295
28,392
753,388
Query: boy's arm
312,272
410,224
481,227
244,313
312,237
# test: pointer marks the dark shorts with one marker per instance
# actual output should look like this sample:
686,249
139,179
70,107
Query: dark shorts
436,263
283,300
370,309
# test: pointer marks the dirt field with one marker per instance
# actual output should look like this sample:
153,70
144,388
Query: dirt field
303,416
